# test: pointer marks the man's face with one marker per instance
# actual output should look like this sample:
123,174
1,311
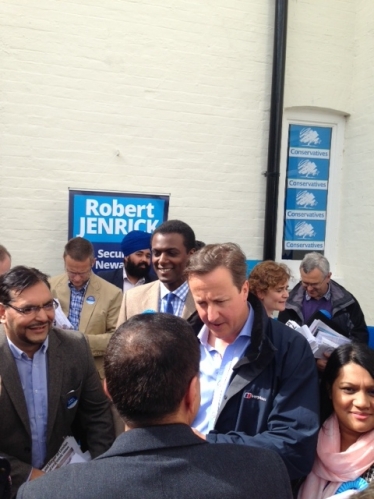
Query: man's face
28,331
5,265
78,272
138,264
219,303
169,257
315,283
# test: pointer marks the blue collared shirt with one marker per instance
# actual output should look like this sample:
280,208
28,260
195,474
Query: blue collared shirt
33,376
76,304
179,298
216,371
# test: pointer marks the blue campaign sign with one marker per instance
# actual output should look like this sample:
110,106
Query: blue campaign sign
308,168
306,199
104,218
310,136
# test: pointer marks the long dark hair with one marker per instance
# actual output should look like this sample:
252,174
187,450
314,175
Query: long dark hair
359,354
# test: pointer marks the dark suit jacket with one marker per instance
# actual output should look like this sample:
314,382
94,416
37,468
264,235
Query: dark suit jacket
116,277
71,372
168,462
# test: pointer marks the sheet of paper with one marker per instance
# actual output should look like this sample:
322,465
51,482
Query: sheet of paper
68,453
61,321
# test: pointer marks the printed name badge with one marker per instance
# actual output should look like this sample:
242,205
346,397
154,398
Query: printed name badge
72,402
90,300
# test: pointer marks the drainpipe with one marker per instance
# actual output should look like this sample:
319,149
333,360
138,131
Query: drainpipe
275,128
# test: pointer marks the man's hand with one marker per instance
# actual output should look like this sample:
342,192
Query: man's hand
321,363
35,473
198,433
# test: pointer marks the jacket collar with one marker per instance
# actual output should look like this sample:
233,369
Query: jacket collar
153,438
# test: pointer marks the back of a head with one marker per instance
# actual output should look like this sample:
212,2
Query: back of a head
178,227
212,256
313,261
267,275
357,353
149,364
79,249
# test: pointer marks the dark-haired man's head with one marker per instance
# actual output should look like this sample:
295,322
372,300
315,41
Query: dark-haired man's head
151,368
172,244
27,308
79,258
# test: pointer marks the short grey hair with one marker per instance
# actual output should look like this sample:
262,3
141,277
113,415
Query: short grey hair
313,261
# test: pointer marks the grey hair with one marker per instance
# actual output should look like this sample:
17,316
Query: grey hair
313,261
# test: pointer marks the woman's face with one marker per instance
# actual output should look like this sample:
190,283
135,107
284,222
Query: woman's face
352,397
274,298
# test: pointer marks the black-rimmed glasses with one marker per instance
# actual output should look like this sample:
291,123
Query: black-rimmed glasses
34,309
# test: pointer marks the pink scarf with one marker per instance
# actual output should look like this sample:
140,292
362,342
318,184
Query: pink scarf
334,466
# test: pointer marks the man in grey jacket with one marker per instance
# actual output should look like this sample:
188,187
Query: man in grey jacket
50,388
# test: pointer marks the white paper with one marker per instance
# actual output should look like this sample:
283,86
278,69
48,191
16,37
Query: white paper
68,453
321,338
61,321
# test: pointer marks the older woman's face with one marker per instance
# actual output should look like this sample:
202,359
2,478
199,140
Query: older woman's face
352,397
275,298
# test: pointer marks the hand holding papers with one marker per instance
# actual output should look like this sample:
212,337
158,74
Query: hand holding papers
321,338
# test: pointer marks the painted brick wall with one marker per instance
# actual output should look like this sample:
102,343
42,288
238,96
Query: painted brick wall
161,97
357,212
320,54
329,65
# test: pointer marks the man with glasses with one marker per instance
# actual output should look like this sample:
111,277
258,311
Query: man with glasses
317,291
90,303
49,385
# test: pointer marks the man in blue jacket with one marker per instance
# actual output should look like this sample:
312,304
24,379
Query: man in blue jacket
259,383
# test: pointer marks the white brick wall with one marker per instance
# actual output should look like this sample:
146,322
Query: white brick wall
357,212
330,65
173,97
164,97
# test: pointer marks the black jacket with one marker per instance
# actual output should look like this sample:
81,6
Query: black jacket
346,311
116,277
167,461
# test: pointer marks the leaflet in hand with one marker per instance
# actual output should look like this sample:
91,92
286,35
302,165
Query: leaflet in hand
68,453
61,321
321,338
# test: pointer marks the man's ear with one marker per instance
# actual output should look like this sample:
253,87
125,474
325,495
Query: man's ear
93,261
193,398
2,313
106,391
245,288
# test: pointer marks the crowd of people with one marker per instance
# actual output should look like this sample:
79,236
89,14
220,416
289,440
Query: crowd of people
146,369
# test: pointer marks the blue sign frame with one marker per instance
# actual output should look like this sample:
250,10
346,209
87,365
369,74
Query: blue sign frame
105,217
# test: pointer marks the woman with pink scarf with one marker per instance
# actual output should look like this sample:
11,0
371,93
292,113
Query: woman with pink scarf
345,449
